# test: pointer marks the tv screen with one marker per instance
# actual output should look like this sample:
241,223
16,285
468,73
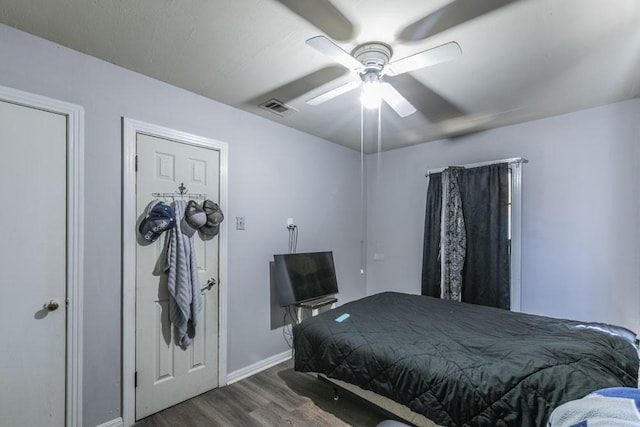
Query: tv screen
304,276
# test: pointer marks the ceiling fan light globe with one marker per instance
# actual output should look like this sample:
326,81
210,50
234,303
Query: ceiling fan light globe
371,95
371,104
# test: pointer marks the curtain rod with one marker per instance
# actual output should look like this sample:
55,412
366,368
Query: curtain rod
510,161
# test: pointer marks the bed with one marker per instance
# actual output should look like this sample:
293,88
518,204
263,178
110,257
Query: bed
460,364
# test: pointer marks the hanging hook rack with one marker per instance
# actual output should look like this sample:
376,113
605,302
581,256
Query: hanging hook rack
182,192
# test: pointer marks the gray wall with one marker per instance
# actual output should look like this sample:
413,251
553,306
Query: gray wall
581,211
581,232
274,173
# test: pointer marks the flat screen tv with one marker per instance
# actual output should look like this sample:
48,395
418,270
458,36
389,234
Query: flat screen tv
304,276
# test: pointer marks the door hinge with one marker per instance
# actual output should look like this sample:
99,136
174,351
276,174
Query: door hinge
135,379
136,166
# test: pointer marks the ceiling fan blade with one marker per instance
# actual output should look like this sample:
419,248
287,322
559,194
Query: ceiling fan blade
395,100
451,15
333,93
298,88
426,58
333,51
323,15
430,104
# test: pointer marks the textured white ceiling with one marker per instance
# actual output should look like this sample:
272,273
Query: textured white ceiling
521,60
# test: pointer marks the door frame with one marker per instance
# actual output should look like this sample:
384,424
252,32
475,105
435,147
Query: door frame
75,239
130,129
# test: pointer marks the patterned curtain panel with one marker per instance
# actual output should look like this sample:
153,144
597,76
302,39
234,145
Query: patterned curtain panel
453,236
431,244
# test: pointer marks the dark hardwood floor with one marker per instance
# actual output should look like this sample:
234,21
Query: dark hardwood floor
278,396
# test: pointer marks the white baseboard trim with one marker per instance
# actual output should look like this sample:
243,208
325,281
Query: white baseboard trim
253,369
113,423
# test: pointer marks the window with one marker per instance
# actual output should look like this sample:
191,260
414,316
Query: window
514,219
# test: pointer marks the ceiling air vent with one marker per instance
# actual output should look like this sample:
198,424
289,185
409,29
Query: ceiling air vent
277,107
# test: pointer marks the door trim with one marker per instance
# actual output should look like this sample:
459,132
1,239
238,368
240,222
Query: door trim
130,128
75,238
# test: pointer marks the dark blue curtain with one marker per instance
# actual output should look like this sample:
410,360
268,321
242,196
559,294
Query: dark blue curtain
486,277
431,247
486,274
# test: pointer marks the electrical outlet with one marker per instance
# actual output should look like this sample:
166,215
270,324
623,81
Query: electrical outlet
289,221
239,223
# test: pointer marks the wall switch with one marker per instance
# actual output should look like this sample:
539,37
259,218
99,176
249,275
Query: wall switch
378,256
289,221
239,223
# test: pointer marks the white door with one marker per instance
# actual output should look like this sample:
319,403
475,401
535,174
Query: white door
33,153
167,374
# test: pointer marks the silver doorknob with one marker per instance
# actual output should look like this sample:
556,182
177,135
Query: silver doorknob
52,305
209,284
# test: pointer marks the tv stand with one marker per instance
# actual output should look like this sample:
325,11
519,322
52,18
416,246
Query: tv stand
315,305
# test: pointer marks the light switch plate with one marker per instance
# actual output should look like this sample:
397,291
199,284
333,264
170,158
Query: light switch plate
239,223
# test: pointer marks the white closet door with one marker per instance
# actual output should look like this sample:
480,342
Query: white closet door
33,152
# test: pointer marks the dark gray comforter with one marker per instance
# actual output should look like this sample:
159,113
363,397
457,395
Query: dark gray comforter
461,364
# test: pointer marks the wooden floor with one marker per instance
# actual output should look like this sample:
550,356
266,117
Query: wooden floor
278,396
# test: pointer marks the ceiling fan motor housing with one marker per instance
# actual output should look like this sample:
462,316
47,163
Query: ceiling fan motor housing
373,56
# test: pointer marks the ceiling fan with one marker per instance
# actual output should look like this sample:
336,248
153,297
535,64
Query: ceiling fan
371,61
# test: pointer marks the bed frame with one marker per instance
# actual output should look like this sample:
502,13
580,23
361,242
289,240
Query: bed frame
384,403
